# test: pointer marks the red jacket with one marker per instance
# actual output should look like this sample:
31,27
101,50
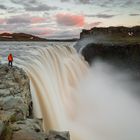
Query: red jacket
10,57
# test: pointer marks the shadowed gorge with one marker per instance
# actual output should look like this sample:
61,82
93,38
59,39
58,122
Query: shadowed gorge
125,55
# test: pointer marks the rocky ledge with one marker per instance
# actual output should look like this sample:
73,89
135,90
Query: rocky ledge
16,119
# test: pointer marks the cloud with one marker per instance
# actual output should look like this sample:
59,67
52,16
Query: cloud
85,1
38,20
70,20
129,2
3,7
104,16
25,19
110,3
40,31
105,3
64,0
4,31
67,34
79,1
101,15
40,7
20,19
33,5
93,24
134,14
24,2
2,20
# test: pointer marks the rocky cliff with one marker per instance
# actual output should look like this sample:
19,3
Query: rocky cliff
110,35
16,119
117,45
120,30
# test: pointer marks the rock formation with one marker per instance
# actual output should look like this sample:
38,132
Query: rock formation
16,119
117,45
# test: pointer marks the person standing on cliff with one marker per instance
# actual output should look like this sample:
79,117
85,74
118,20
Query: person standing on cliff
10,60
0,59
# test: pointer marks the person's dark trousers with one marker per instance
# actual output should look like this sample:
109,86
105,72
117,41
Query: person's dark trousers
10,63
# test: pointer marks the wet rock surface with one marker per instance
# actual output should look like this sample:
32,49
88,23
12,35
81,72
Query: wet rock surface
16,120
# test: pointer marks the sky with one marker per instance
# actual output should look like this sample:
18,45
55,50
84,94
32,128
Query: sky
65,18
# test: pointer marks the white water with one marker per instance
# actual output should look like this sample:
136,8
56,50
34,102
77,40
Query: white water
96,103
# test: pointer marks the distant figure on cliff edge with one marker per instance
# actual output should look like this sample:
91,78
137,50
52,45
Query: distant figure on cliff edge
10,60
0,60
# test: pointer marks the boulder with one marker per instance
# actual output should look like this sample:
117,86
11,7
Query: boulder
29,129
56,135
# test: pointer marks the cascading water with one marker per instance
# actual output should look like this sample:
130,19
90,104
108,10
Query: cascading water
54,77
96,103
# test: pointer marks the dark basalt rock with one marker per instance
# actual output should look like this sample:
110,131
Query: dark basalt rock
123,55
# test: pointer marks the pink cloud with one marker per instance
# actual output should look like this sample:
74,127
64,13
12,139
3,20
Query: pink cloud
38,19
70,20
24,19
2,20
5,31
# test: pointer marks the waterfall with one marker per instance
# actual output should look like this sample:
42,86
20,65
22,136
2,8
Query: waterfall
55,73
94,103
97,103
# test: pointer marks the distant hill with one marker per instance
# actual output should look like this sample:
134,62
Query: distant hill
27,37
19,37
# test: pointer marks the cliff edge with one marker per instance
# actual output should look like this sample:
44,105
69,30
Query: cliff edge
16,119
113,35
119,46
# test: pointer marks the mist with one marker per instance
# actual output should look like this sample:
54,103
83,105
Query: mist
108,108
82,43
